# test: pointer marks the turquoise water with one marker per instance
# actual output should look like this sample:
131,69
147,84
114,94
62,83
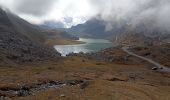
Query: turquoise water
91,45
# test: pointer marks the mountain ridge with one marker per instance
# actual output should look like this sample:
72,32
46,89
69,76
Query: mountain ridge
21,41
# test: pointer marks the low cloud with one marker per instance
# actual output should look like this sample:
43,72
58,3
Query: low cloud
152,13
71,12
34,7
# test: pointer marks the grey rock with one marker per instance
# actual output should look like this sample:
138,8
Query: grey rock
62,95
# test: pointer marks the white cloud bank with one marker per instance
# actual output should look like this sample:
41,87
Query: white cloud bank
130,11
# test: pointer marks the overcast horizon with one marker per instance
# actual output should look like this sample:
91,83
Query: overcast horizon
73,12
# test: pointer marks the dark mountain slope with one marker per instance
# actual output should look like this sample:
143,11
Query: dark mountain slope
5,24
23,27
92,28
52,25
21,42
95,28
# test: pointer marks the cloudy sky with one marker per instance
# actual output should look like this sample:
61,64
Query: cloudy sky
72,12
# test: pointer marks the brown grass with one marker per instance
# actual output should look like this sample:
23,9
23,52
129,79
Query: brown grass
140,82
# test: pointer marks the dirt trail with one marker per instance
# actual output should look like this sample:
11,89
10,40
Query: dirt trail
159,66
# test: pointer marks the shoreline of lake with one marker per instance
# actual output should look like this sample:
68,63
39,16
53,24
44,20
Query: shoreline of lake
89,45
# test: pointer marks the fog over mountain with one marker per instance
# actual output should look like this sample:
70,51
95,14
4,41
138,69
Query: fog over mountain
154,13
150,12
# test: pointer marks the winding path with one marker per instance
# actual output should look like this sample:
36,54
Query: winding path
159,66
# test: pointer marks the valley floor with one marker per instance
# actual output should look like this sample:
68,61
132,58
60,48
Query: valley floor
90,80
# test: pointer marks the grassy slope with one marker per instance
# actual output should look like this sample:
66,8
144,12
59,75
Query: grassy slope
138,82
159,53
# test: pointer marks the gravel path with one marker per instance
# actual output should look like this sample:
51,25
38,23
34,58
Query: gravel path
159,66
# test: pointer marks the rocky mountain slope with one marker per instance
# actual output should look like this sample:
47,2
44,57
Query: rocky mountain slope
18,25
21,41
142,36
133,39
